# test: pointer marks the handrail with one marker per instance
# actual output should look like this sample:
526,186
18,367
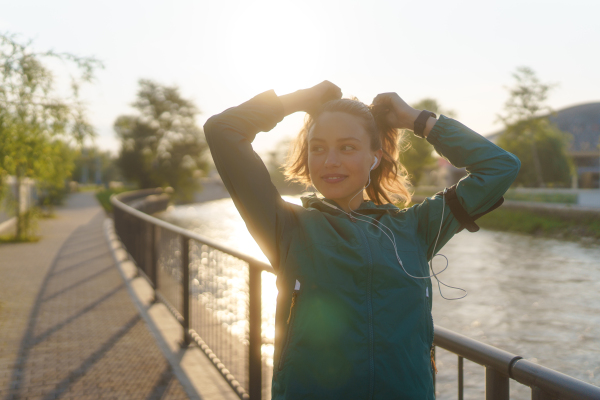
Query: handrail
515,367
116,202
500,365
478,352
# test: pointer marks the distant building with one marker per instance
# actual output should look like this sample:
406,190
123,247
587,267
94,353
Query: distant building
583,122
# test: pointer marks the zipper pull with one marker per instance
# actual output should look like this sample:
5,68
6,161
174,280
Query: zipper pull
433,360
296,289
292,306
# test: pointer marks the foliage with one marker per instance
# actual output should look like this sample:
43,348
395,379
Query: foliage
417,154
528,134
103,197
275,164
162,146
51,184
35,118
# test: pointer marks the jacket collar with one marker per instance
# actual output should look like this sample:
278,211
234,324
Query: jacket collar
366,207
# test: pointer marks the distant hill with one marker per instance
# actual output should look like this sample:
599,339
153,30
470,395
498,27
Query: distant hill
582,121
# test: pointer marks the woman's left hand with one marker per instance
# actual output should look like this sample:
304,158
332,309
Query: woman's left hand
400,115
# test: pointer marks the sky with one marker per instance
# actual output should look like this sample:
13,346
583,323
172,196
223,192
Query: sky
222,53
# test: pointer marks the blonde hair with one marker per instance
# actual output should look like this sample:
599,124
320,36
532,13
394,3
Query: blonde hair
387,181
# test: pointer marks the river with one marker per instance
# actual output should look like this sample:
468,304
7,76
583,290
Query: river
536,297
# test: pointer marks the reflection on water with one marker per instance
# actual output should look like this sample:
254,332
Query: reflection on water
539,298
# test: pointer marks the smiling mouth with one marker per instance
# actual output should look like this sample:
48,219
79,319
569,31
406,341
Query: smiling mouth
333,178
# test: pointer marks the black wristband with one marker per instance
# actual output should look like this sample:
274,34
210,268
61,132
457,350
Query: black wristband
421,121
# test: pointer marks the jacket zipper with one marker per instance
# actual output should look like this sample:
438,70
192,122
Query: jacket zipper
290,322
370,316
431,348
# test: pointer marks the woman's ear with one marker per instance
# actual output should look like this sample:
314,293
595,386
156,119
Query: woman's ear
379,155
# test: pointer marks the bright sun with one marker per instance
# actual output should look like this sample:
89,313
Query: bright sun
275,46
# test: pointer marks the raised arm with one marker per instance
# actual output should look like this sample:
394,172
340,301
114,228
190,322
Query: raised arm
491,171
229,136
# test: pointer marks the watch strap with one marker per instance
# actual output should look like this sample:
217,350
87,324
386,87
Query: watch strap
421,121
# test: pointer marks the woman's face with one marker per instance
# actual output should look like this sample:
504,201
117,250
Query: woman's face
340,157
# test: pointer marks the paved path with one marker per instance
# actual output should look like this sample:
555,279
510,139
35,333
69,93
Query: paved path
68,328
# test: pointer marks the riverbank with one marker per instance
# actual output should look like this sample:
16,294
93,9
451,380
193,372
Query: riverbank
542,224
550,220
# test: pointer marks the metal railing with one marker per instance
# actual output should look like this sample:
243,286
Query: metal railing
215,293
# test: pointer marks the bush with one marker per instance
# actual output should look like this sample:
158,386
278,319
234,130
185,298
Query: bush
103,197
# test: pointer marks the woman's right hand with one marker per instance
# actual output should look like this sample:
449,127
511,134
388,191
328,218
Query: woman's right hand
309,100
399,114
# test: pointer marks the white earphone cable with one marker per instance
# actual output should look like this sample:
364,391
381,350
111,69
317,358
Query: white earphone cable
393,241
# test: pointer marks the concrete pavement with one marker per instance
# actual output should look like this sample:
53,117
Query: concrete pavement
68,328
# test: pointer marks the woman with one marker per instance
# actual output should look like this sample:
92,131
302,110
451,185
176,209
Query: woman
353,313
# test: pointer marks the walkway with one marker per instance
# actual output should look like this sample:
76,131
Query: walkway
68,327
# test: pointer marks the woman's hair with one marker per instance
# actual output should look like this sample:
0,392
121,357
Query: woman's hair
388,180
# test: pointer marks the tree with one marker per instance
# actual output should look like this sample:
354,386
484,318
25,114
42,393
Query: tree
275,162
35,116
162,146
60,164
417,154
529,134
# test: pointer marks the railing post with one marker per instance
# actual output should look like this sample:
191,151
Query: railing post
255,336
154,259
496,385
460,378
185,267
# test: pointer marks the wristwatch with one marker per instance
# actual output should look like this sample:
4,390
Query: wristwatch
421,121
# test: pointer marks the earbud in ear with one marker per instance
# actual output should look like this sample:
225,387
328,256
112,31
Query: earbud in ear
374,164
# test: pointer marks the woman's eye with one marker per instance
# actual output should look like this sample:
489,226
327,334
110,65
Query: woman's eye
316,148
347,147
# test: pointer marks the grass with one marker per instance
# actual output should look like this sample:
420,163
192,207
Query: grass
103,197
565,198
13,239
89,188
542,225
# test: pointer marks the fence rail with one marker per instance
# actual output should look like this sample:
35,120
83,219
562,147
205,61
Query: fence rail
215,293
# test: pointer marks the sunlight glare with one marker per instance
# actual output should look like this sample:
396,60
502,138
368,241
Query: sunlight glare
273,47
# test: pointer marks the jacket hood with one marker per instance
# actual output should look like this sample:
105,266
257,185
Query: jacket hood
366,207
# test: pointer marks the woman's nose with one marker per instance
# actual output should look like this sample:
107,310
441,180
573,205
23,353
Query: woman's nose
332,160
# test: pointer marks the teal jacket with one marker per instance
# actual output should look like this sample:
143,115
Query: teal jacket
350,323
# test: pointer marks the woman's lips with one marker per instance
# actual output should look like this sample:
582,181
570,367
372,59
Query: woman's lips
333,178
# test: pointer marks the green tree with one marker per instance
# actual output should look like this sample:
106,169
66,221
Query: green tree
162,146
276,160
59,161
36,118
417,154
529,134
